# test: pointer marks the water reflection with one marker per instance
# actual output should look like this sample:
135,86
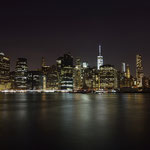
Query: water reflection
103,121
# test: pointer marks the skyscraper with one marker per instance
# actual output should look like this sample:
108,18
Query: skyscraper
108,77
128,72
139,71
59,65
77,74
123,69
65,72
99,59
4,72
21,73
52,78
35,80
44,67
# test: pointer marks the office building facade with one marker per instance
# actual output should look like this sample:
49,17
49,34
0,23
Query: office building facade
21,74
99,59
108,77
4,72
139,71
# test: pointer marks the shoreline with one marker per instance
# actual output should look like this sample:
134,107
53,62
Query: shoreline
80,92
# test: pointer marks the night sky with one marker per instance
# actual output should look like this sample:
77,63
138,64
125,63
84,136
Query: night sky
49,29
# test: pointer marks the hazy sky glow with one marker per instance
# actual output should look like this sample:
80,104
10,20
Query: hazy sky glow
34,29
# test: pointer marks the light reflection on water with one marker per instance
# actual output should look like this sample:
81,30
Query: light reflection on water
72,121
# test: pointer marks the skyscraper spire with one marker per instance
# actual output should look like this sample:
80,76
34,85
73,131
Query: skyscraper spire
100,51
43,62
99,58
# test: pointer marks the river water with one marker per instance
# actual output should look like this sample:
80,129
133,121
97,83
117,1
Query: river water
74,121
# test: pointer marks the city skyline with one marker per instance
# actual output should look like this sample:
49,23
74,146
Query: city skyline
118,66
35,30
73,75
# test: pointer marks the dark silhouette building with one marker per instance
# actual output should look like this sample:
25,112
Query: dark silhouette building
35,80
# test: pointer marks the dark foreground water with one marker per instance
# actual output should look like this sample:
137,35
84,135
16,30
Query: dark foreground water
74,121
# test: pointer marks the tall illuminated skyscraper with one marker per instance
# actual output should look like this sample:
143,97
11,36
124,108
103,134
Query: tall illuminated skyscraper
108,77
44,82
21,73
4,72
99,59
65,72
123,69
139,71
128,72
77,75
